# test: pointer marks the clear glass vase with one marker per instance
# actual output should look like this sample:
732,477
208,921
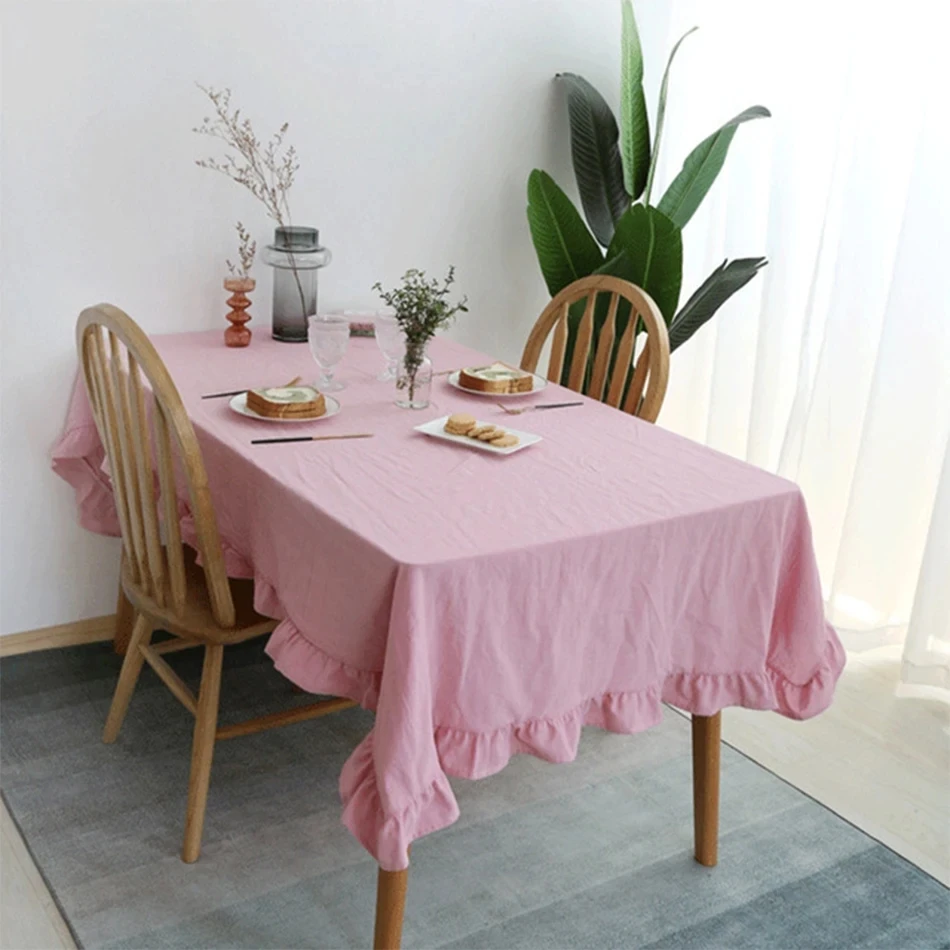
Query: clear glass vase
296,256
413,379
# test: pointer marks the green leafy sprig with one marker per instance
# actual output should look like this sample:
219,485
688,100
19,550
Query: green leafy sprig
421,309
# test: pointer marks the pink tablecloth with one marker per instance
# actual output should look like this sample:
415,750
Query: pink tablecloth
485,605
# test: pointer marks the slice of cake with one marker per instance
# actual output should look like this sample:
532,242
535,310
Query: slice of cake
497,378
287,402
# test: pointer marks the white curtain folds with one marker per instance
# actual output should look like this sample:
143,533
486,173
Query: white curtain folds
832,367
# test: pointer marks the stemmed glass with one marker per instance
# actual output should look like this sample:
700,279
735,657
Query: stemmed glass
391,343
328,338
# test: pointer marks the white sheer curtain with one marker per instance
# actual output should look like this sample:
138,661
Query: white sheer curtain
833,367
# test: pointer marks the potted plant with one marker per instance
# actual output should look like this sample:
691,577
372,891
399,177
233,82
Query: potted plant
421,307
632,234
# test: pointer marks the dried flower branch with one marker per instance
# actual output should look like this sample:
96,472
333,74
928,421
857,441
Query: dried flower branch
247,248
266,170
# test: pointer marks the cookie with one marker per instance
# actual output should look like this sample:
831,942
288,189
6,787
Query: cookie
505,441
479,430
459,423
488,433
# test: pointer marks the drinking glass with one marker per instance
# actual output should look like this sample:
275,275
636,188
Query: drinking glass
391,343
328,337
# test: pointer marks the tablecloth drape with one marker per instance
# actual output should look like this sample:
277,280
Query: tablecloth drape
485,606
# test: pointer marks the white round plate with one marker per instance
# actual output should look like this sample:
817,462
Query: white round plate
539,382
239,405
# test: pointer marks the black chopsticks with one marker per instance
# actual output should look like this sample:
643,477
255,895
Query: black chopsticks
313,438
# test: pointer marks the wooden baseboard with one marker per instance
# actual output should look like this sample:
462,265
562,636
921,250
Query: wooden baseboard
65,635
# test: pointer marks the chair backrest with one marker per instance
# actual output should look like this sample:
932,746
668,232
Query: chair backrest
617,368
147,433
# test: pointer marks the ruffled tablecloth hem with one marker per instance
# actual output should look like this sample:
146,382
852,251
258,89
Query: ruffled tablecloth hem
304,663
475,755
388,837
77,458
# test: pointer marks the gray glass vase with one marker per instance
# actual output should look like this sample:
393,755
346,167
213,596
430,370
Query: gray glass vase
296,256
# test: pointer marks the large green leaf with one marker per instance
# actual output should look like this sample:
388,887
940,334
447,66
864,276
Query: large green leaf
654,259
701,167
566,249
661,116
596,156
634,123
714,291
617,266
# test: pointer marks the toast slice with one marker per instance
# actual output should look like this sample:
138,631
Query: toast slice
496,378
287,402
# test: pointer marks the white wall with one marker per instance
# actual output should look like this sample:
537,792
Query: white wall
417,123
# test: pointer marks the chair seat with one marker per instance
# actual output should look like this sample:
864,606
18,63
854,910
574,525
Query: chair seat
196,618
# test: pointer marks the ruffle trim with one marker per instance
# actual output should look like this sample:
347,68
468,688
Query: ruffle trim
813,697
304,663
475,755
388,837
77,458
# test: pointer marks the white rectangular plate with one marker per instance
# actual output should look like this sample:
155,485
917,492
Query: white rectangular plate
436,428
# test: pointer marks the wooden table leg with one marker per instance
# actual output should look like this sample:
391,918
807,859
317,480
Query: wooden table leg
124,621
390,906
706,736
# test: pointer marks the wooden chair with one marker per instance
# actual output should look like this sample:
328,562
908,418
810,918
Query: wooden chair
605,373
150,442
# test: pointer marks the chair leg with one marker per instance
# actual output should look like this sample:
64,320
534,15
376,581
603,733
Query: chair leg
706,736
124,622
128,677
390,907
202,751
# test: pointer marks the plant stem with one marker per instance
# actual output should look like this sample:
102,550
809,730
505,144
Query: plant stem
303,302
293,260
413,360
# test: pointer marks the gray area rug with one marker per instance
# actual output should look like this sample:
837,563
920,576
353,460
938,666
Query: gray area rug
594,854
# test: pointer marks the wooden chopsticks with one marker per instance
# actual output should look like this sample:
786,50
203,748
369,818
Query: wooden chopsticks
231,392
237,392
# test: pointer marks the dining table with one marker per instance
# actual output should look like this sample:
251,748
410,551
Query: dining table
485,605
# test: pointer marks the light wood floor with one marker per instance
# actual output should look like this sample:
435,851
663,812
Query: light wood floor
29,920
880,761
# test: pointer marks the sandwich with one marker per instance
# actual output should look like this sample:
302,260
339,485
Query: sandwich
496,378
287,402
